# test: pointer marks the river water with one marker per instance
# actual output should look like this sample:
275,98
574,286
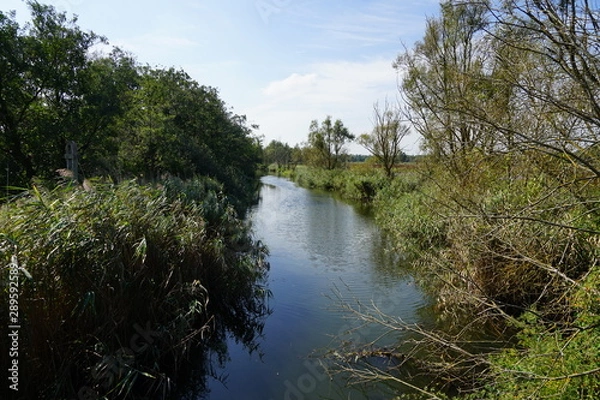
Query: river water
323,251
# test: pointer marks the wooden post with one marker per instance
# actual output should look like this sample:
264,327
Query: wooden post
72,158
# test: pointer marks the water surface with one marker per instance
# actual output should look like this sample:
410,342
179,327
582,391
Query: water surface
321,250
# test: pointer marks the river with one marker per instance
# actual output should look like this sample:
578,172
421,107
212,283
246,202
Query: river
322,251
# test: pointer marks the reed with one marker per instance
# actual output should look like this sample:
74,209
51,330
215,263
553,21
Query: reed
120,283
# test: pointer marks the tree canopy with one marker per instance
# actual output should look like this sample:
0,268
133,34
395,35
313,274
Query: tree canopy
129,120
326,143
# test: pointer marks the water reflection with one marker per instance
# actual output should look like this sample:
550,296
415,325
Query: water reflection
322,252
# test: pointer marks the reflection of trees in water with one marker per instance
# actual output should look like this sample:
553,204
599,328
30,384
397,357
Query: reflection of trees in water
244,323
387,260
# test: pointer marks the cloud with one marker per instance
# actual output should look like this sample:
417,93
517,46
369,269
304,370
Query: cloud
343,89
292,86
370,24
338,85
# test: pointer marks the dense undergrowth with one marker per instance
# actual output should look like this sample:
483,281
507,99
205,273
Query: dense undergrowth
360,182
513,253
118,284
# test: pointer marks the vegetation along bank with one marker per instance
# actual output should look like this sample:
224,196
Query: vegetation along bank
137,261
501,215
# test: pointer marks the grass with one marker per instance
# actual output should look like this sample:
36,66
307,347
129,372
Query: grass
119,284
360,185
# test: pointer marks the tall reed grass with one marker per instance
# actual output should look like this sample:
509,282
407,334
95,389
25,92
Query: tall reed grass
119,284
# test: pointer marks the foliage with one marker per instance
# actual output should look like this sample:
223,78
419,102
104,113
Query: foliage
180,128
552,362
128,120
505,217
356,185
277,152
44,83
326,143
443,75
100,266
413,223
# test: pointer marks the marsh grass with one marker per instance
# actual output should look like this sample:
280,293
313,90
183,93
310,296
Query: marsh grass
125,281
354,184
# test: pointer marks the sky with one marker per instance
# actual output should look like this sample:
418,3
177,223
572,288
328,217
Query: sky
282,63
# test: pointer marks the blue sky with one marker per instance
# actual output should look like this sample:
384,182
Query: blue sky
282,63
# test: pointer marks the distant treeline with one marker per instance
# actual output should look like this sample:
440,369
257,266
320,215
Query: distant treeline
402,158
277,152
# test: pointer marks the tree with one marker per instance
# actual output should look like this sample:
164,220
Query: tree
109,84
128,120
326,143
388,132
555,46
277,152
181,128
41,83
506,97
443,76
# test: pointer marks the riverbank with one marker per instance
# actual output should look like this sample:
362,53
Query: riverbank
118,284
511,255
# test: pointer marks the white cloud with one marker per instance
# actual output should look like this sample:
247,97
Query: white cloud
292,86
344,90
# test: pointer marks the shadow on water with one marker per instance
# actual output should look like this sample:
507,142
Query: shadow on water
209,361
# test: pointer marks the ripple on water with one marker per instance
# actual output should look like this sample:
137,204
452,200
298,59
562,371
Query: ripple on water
322,254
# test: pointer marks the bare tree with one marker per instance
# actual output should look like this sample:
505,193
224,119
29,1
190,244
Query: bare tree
388,131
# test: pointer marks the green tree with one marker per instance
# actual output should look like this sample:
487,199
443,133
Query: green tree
128,120
553,48
178,127
388,132
444,72
109,85
326,143
42,70
277,152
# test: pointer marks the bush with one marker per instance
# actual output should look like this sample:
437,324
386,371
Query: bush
406,211
551,362
504,248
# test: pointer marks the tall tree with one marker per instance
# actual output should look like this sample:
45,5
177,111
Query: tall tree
181,128
555,47
388,131
327,142
41,75
127,119
443,75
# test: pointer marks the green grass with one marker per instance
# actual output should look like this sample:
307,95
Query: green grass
360,185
